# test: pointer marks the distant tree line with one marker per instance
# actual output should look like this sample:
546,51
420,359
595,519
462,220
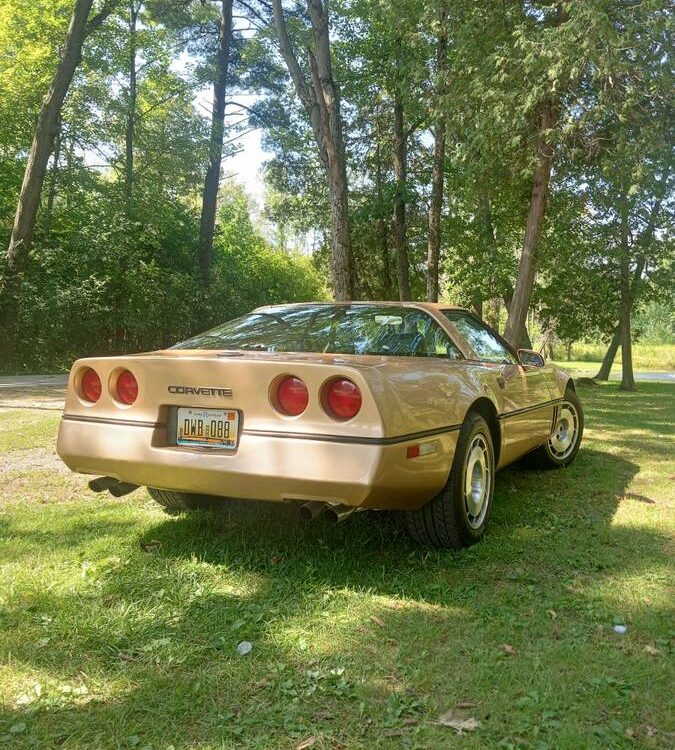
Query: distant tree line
515,157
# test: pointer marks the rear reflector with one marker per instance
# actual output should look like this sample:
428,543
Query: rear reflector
292,396
90,386
342,398
126,388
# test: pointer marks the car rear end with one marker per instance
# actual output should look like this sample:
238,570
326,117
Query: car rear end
251,425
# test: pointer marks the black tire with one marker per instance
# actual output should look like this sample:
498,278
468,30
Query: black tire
180,502
446,520
571,413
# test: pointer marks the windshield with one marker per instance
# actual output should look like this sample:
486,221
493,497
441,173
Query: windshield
335,329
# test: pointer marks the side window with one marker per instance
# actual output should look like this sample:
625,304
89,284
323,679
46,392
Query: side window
439,345
480,338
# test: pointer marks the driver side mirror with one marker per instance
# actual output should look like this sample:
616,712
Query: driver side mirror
530,357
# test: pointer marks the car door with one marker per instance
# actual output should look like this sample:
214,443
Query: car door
521,391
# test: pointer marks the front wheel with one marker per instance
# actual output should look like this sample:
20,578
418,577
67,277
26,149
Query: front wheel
458,515
563,445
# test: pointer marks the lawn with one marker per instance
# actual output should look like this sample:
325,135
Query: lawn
651,357
119,625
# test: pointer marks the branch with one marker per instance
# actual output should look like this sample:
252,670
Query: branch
95,21
286,49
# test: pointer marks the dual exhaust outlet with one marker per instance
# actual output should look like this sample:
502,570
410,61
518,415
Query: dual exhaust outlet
308,511
114,487
333,513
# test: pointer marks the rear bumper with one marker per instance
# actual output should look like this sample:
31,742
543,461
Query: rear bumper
264,467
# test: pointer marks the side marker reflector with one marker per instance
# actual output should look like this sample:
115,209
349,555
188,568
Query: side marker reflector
422,449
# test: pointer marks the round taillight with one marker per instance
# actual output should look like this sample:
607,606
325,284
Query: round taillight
90,386
292,396
343,399
126,387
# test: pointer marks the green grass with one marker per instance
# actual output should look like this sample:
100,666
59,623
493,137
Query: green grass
654,357
119,625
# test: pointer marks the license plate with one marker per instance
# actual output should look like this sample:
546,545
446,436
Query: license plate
208,428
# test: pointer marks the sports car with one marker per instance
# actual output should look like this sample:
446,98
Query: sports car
409,407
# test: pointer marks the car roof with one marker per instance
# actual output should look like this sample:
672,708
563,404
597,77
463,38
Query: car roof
383,303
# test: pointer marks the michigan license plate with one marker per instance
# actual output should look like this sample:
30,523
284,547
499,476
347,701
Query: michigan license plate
208,428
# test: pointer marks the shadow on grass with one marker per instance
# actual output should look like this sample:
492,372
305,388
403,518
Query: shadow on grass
163,626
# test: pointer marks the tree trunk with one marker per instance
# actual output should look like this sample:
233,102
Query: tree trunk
321,102
382,228
36,167
610,354
131,106
400,178
437,173
515,331
207,222
53,181
627,378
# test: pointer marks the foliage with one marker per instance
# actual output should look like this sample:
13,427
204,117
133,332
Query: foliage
125,270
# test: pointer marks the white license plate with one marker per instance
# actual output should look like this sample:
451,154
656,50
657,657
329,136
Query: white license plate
208,428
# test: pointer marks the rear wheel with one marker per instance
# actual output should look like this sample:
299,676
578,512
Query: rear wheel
563,445
458,515
180,502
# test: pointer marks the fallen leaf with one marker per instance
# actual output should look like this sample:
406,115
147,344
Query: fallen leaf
652,650
152,546
508,650
377,620
457,722
276,560
306,743
552,613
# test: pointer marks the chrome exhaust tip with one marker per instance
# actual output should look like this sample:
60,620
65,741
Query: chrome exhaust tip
308,511
119,489
101,484
338,513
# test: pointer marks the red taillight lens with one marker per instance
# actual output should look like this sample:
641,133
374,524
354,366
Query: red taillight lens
343,399
126,387
292,396
91,386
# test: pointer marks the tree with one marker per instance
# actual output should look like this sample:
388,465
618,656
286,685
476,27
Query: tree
212,179
438,168
81,25
321,101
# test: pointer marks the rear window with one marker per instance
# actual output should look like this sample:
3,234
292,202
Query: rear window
341,329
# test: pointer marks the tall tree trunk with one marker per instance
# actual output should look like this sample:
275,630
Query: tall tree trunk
627,378
610,354
321,101
53,181
400,178
36,167
437,172
382,228
212,180
515,330
134,9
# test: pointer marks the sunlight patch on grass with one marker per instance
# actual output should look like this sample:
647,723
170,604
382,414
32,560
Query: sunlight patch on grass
129,621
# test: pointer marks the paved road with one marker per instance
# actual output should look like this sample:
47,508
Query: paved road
33,381
59,381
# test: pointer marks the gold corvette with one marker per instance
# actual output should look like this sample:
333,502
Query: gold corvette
342,406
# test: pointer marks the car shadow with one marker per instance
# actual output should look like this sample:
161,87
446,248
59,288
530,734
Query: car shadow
277,577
